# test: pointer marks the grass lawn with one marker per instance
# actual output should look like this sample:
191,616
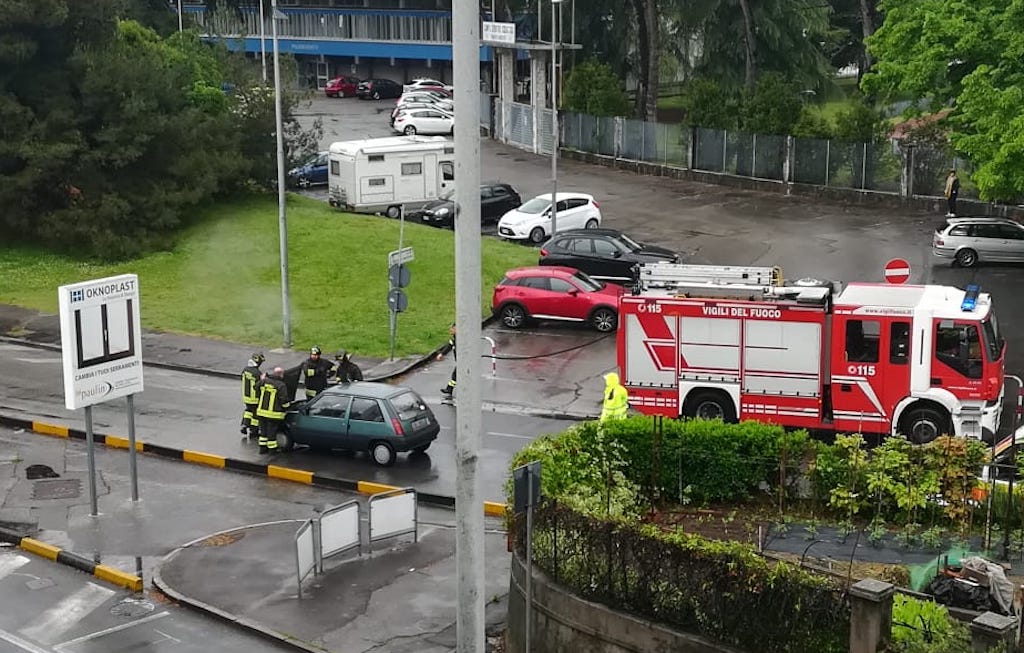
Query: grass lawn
223,279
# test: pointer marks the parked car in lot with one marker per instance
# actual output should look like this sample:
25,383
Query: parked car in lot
313,172
409,106
378,89
435,99
424,121
969,240
532,220
555,293
496,199
604,254
426,83
378,418
344,86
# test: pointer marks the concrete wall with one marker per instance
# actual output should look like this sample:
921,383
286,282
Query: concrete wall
565,623
864,197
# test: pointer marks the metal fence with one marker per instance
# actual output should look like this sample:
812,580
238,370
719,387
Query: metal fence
841,164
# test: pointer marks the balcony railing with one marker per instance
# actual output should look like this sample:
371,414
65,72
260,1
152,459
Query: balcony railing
348,24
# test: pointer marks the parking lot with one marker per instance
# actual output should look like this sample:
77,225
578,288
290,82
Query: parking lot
724,226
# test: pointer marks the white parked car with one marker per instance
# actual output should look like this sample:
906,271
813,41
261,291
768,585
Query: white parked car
427,98
532,220
410,106
425,82
424,121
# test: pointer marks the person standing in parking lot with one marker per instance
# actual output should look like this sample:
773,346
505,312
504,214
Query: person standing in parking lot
449,389
271,409
344,370
952,191
314,372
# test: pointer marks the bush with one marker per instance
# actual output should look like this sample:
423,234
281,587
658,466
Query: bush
925,627
592,88
715,461
705,104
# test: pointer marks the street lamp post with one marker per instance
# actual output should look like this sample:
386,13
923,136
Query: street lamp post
554,117
282,218
180,25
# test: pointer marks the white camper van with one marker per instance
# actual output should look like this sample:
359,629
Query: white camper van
379,175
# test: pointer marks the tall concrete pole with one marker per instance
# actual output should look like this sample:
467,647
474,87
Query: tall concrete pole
282,218
180,19
469,516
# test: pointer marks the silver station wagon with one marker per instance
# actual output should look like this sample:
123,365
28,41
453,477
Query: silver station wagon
970,240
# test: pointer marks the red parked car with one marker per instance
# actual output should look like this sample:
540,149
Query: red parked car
555,293
344,86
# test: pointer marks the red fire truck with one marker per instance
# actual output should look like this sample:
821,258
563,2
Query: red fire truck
741,343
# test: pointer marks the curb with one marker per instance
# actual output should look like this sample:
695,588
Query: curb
305,477
249,624
56,554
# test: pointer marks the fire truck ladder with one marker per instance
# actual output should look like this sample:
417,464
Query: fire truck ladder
679,276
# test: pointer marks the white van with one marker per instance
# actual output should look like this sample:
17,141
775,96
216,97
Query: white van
379,175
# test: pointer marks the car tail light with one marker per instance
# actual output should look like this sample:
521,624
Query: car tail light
596,205
543,252
397,425
938,241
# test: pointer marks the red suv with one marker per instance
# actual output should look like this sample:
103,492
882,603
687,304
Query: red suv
343,86
555,293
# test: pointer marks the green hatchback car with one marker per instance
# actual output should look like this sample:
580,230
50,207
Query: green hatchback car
380,419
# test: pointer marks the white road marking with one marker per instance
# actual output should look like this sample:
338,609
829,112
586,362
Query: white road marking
113,629
20,643
166,636
49,626
12,563
510,435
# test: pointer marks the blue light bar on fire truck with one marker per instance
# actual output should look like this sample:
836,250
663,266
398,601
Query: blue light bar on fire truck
971,297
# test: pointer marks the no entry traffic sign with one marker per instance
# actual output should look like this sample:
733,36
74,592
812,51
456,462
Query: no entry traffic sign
897,271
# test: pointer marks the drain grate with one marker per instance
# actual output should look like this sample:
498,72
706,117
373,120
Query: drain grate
65,488
32,472
132,607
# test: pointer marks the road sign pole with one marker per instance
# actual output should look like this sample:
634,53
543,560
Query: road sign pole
133,469
91,459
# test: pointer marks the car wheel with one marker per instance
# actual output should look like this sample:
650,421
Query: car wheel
966,258
537,236
304,182
383,454
592,223
421,450
410,130
394,212
604,319
922,425
710,404
376,95
513,315
284,440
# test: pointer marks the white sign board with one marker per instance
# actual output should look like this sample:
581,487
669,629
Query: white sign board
101,340
499,32
400,256
392,513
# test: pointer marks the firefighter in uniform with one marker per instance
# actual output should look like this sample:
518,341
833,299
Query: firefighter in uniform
616,398
344,370
314,372
251,376
449,347
271,409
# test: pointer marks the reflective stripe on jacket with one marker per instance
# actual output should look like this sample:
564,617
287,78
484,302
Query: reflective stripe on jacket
250,379
273,393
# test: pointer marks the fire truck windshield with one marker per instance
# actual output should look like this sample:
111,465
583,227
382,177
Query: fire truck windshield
993,338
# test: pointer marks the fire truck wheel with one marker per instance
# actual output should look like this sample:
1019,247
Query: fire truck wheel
604,319
922,425
966,258
710,404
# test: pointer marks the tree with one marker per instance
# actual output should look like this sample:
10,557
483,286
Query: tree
967,54
707,104
593,89
771,107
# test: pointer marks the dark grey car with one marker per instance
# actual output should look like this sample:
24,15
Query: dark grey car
969,240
